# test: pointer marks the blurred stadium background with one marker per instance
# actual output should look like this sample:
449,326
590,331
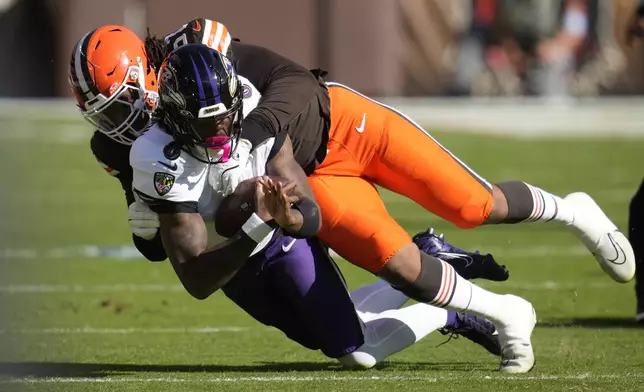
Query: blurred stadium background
519,52
380,47
497,81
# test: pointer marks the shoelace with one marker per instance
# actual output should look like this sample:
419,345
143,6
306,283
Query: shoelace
469,323
452,335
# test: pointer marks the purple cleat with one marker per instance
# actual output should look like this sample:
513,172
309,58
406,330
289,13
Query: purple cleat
468,265
477,329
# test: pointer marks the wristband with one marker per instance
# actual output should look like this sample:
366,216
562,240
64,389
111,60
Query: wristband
310,219
256,228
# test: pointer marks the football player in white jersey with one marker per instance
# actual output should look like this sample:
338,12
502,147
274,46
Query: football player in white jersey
274,268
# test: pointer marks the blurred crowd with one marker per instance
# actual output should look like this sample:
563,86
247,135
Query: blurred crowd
554,48
448,47
536,47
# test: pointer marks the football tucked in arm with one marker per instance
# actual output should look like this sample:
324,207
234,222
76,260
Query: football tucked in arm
237,207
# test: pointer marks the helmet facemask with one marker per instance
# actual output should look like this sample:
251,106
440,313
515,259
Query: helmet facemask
126,113
186,129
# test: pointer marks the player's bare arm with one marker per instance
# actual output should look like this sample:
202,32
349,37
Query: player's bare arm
303,218
292,99
202,271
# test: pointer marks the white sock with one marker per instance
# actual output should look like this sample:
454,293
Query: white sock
459,294
394,330
377,297
548,207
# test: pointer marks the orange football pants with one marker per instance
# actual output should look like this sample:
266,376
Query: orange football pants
370,143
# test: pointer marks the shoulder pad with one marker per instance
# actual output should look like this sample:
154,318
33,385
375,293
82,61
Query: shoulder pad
250,95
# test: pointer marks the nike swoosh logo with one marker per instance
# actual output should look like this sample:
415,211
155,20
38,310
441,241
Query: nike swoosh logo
620,254
468,259
172,166
197,27
288,247
360,129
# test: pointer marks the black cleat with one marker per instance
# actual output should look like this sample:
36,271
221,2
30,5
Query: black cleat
468,265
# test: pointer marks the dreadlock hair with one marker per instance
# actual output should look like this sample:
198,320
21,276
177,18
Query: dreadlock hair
156,50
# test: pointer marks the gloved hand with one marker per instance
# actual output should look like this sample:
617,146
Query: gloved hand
143,221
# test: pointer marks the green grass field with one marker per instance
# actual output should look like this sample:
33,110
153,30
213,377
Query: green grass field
73,321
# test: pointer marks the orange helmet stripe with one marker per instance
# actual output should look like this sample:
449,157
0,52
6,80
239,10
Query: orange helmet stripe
222,46
216,36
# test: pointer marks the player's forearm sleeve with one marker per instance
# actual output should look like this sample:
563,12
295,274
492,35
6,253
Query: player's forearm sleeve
286,88
295,101
150,249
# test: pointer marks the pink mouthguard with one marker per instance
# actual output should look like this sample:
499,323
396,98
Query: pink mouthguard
222,146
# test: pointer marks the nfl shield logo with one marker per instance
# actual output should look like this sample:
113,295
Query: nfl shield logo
163,182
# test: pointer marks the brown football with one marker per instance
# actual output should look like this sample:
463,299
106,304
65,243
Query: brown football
237,207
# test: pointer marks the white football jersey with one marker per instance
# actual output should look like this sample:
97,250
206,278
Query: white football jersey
194,181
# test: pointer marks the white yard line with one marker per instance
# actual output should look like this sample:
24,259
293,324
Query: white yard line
281,379
115,252
79,288
121,331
